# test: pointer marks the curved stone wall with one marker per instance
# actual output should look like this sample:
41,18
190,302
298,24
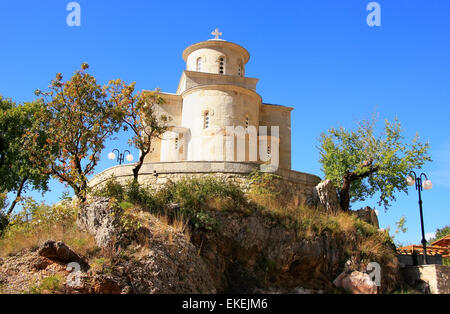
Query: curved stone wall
297,185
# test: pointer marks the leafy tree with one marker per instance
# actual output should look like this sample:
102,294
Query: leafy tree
79,117
361,163
139,115
16,171
440,233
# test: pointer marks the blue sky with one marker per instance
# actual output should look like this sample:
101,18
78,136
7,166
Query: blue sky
318,56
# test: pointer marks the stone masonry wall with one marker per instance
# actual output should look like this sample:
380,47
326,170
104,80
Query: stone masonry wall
437,276
296,186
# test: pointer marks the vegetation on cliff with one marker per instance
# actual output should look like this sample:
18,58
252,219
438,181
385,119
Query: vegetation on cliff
247,241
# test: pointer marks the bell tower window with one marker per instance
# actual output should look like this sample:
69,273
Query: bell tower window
221,65
206,120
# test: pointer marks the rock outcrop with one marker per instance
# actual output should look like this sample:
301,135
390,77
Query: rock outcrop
325,196
58,251
101,218
251,253
246,252
368,215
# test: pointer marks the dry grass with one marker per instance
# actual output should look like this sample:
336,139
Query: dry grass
167,226
38,223
81,242
358,237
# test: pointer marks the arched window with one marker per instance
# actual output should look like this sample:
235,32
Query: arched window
221,65
206,120
199,64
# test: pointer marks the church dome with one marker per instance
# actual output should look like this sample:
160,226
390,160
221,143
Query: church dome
216,56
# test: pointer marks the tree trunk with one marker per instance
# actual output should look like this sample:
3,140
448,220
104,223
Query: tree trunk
344,193
16,200
80,192
138,166
83,191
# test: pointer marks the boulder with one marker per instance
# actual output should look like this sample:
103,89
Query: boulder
59,252
327,197
356,282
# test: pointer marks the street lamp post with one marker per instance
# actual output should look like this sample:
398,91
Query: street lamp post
420,185
120,156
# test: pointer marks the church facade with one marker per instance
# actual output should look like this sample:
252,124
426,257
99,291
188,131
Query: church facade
214,94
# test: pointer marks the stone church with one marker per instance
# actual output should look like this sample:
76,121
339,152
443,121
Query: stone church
214,93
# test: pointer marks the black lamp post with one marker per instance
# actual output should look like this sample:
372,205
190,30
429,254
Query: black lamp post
420,185
120,156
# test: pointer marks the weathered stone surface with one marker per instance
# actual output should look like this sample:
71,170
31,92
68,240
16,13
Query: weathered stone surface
101,219
58,251
327,196
250,252
356,282
161,266
428,278
368,215
25,269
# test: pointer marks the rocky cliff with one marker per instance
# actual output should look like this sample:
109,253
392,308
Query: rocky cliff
238,247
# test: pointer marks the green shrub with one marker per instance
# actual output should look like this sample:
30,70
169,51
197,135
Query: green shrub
364,228
112,188
195,198
139,195
50,284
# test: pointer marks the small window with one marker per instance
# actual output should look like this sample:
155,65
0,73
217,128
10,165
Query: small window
206,120
199,64
268,150
221,65
176,143
240,69
247,122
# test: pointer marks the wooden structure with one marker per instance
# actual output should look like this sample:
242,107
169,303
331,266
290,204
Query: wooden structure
441,247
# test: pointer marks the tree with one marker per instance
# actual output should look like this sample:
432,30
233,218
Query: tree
140,115
16,171
362,164
440,233
79,117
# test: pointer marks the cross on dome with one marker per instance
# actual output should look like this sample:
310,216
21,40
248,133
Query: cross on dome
216,33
